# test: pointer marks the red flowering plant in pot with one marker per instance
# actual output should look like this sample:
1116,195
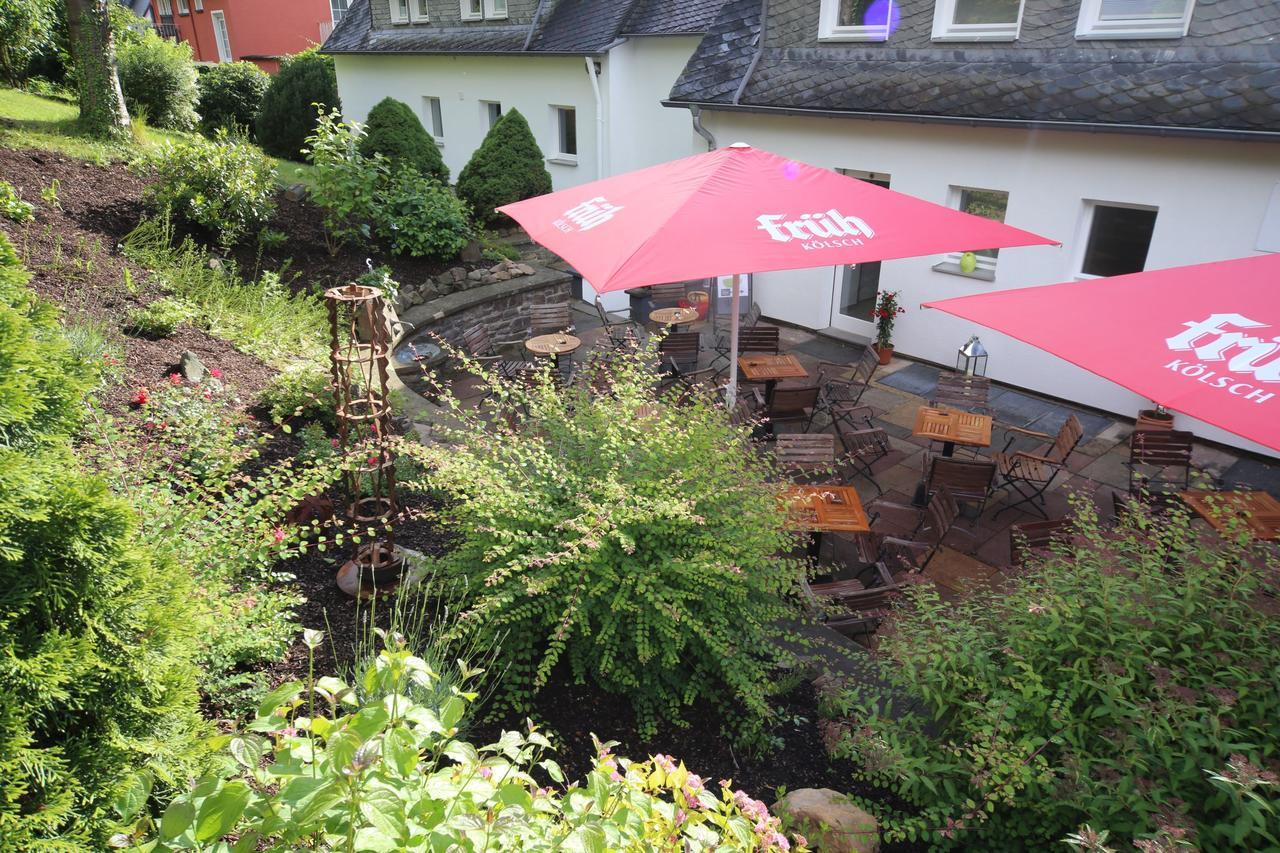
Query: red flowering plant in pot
885,313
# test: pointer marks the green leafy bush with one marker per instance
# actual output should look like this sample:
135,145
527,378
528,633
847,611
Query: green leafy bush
159,319
262,318
158,78
1107,684
393,131
630,537
301,393
97,639
507,167
26,29
225,186
12,207
320,769
231,95
420,217
306,82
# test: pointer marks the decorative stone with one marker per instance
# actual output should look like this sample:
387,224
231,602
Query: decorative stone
525,269
471,253
458,273
502,275
297,192
829,821
191,367
477,275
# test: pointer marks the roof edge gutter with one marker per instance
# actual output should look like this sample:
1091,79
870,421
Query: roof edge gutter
962,121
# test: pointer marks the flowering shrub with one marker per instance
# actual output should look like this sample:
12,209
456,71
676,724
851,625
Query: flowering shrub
191,425
628,536
886,313
1097,687
225,186
319,769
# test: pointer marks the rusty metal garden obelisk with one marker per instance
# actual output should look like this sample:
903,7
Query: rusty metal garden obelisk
360,341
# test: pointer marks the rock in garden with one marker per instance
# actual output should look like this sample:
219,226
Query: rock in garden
297,192
502,275
458,273
477,275
525,269
191,367
215,263
830,822
471,253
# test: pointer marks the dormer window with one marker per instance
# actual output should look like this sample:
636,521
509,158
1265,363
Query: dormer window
1134,19
418,11
977,20
399,11
858,20
479,10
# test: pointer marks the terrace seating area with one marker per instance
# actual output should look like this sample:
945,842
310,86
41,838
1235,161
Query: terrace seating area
956,478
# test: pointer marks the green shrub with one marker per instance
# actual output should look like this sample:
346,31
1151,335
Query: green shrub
628,536
507,167
158,79
97,639
393,131
420,217
320,769
12,207
344,183
231,95
159,319
224,186
26,29
1108,685
301,393
289,109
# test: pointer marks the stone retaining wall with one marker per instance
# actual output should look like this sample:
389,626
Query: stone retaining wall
502,306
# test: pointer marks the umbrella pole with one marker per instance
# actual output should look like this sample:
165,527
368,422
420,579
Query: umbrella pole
731,397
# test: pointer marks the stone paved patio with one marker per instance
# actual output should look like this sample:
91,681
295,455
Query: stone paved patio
978,549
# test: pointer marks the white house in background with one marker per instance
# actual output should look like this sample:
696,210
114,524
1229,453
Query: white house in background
1141,133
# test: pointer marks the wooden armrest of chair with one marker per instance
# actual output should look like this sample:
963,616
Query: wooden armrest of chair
1022,454
1024,431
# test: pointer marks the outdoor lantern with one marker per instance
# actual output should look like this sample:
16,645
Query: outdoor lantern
972,358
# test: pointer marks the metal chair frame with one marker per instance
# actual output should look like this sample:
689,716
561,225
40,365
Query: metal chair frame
1030,474
844,384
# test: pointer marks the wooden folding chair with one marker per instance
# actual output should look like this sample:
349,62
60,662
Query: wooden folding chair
806,456
759,340
788,405
612,326
1028,537
679,352
479,344
968,481
1159,461
861,608
550,318
910,552
843,384
963,393
1031,473
865,447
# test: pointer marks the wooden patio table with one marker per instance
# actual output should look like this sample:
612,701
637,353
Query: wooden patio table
672,317
952,427
769,369
554,345
1259,510
825,508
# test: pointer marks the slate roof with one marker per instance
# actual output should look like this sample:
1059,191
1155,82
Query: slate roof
563,26
1224,75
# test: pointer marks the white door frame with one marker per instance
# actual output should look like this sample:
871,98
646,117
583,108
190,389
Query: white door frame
837,320
221,35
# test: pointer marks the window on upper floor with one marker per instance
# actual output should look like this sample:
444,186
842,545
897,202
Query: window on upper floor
199,5
418,12
989,204
858,20
164,8
976,20
337,8
1134,19
399,11
433,118
476,10
183,8
1119,239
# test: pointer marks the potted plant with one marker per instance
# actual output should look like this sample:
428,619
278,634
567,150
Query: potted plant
886,312
1157,418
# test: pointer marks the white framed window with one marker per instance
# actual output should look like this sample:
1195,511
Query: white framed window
1134,19
491,111
199,5
337,8
566,124
433,118
989,204
220,35
1119,237
183,8
477,10
418,11
399,11
165,8
977,20
857,20
496,9
472,10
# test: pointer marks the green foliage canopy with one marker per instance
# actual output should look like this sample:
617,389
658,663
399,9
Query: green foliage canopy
158,78
507,167
393,131
26,29
231,95
305,87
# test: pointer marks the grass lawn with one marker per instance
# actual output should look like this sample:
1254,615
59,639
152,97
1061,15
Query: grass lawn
30,121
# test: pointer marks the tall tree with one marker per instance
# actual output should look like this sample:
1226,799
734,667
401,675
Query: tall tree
102,109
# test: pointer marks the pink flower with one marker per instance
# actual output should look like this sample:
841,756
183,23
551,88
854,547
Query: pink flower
333,442
175,379
278,534
486,772
681,817
615,776
215,373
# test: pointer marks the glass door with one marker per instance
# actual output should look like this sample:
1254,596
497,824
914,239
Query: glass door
856,286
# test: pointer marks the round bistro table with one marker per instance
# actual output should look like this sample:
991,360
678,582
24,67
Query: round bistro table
554,345
673,316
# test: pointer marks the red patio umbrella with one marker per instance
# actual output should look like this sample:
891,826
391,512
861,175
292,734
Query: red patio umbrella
1203,340
737,210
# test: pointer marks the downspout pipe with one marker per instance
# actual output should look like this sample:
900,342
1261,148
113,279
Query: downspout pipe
696,112
595,90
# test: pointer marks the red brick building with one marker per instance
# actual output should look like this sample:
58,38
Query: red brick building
260,31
